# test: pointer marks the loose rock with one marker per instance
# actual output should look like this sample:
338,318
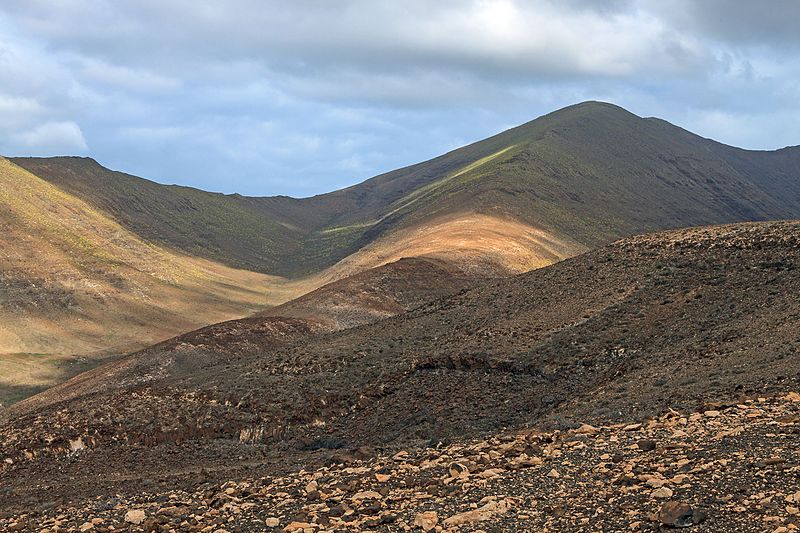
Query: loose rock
679,514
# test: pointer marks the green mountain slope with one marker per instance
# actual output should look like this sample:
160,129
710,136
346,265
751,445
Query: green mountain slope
215,226
74,281
590,173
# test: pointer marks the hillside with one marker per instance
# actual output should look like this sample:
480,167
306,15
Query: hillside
98,262
227,229
584,175
73,281
360,299
673,320
377,293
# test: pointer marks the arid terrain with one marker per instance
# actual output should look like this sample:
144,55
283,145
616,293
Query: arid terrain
588,322
658,330
730,467
97,263
420,267
76,286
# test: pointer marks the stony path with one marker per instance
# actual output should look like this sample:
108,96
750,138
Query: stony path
731,468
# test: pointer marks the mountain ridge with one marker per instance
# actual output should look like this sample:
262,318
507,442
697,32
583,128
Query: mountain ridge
541,192
313,233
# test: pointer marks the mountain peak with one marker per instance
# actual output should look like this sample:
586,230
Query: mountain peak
594,105
589,109
592,172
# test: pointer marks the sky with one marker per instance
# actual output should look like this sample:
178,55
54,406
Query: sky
267,97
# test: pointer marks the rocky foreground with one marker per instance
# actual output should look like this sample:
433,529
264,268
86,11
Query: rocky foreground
728,468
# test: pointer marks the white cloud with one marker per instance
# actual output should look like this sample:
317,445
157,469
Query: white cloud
52,138
16,111
92,70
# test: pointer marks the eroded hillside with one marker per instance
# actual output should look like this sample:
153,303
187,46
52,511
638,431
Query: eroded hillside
74,281
665,321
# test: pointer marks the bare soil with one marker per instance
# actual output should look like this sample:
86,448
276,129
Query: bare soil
677,320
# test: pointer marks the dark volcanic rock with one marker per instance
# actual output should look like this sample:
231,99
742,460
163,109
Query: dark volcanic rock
679,514
646,445
711,311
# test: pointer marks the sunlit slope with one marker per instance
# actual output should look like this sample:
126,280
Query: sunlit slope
584,175
482,245
224,228
587,174
595,172
73,281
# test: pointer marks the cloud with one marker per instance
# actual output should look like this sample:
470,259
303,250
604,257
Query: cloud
269,97
53,137
736,22
497,37
104,74
17,110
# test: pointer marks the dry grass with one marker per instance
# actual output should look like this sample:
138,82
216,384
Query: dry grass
73,282
489,244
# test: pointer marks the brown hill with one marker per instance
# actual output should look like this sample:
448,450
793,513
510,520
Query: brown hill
670,320
73,281
544,191
363,298
377,293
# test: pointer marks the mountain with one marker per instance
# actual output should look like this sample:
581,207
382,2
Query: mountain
99,263
581,176
73,281
227,229
673,320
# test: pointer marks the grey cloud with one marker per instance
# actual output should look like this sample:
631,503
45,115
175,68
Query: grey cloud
301,97
495,37
737,22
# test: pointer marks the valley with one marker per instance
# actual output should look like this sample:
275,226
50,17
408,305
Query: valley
98,263
545,300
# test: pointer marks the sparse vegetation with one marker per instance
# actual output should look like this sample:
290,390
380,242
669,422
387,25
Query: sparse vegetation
628,354
589,173
75,283
99,245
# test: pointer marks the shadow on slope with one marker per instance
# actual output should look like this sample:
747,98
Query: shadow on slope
667,320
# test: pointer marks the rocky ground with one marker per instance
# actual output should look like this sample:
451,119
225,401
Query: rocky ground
679,320
380,292
728,468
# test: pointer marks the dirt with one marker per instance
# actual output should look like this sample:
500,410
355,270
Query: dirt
381,292
479,244
24,374
731,468
623,334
